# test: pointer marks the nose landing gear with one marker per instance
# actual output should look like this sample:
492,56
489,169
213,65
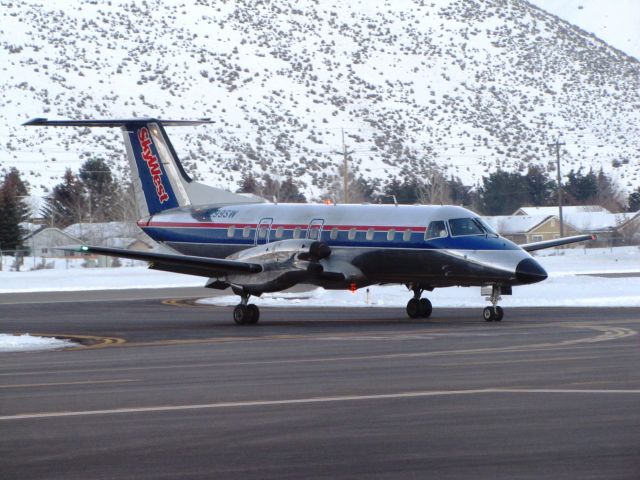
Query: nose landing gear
419,307
494,313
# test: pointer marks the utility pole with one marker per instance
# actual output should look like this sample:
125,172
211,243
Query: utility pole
557,145
345,172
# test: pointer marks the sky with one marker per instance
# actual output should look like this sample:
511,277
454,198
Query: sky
616,22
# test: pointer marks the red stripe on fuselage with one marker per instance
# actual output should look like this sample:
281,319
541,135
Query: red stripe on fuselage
277,225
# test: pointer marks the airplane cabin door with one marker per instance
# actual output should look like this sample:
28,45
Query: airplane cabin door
315,228
262,231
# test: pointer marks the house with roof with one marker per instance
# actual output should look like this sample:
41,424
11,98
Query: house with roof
528,228
555,210
610,228
43,242
111,234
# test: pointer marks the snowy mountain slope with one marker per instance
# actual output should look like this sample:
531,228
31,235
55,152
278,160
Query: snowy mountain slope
614,21
467,85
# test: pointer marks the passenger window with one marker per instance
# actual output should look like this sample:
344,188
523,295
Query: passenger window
279,232
334,233
246,231
296,232
370,234
262,231
313,233
406,236
352,234
391,235
231,231
437,229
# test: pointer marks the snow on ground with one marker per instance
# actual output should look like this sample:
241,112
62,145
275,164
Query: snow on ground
63,280
571,261
26,342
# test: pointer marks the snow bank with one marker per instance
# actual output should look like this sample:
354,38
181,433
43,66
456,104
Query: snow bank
26,342
62,280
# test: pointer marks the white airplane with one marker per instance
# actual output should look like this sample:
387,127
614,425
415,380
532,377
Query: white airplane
254,247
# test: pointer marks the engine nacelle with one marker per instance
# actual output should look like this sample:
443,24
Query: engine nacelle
299,249
285,263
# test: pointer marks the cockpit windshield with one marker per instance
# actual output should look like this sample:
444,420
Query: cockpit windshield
487,227
469,226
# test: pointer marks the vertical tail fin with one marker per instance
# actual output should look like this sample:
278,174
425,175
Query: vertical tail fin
159,179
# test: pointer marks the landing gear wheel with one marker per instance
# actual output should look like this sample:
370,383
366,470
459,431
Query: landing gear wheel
413,308
424,308
487,314
499,313
241,314
254,314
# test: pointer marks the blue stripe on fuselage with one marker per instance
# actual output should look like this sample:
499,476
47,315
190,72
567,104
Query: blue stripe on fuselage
219,236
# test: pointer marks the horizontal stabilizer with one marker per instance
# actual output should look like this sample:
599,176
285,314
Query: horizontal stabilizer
530,247
192,265
43,122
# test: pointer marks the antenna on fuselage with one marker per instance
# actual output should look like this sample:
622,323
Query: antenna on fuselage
395,200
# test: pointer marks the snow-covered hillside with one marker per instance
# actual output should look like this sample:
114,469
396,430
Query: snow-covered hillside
614,21
468,85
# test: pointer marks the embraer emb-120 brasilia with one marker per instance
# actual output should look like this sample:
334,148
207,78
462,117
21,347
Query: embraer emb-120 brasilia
254,247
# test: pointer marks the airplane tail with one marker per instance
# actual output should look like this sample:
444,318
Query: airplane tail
159,179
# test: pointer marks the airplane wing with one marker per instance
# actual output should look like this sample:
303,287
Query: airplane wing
530,247
191,265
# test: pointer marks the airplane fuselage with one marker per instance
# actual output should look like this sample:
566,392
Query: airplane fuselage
430,246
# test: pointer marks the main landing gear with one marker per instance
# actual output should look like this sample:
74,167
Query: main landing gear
494,313
419,307
246,313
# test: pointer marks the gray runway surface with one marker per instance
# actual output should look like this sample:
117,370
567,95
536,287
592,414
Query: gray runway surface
172,390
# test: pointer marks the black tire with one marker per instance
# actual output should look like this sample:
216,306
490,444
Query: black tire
413,308
254,314
499,314
424,308
487,314
240,314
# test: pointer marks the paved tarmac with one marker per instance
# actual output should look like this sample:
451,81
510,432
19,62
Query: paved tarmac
175,390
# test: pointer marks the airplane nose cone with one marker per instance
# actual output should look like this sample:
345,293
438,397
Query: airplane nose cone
530,271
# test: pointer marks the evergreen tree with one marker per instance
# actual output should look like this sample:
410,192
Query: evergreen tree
609,195
407,191
285,191
459,193
633,202
100,189
580,189
540,187
502,193
362,190
13,210
249,184
289,192
67,203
